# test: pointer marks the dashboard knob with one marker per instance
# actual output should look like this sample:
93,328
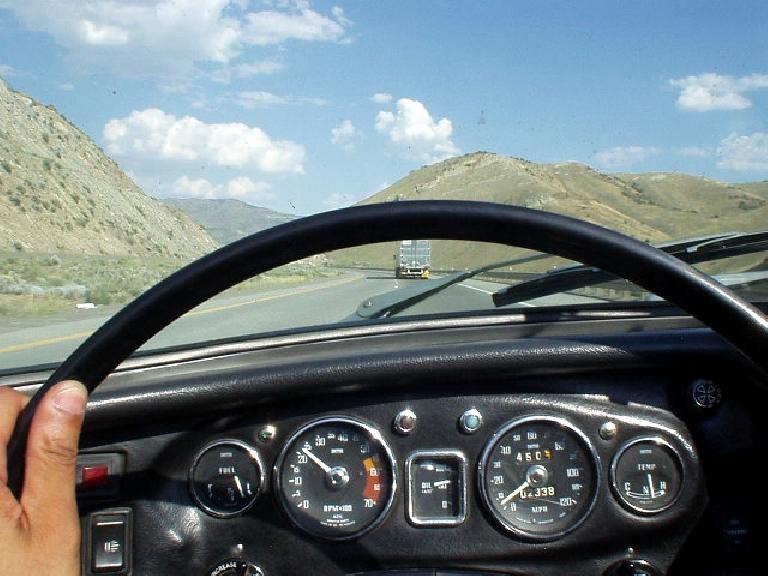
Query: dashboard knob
235,567
632,568
405,422
704,395
470,421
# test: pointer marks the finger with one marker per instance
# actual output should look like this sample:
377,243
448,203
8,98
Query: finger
49,480
11,404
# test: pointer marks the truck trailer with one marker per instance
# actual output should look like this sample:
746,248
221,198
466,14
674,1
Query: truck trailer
413,259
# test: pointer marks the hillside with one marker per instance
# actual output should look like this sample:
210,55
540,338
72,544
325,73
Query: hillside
59,193
228,220
650,207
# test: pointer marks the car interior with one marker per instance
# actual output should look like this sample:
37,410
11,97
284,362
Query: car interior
593,440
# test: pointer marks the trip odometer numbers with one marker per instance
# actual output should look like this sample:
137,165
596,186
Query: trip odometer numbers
538,477
336,478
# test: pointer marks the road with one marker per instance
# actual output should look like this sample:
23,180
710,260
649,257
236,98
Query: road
323,302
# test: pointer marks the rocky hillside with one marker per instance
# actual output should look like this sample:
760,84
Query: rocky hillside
228,220
60,193
651,207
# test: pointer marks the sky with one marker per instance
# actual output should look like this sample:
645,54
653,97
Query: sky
304,106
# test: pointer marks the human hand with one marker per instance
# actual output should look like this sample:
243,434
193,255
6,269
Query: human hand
40,532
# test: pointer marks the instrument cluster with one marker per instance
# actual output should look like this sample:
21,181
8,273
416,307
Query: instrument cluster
537,476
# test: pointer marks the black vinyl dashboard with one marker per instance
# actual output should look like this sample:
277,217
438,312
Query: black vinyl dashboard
597,444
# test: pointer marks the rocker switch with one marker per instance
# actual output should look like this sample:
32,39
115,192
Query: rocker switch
109,541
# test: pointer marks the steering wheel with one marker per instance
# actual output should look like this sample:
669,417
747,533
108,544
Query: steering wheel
717,307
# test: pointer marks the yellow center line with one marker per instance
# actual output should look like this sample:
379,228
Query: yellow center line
264,299
82,335
44,342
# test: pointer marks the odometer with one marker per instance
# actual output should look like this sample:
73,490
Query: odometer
336,478
538,477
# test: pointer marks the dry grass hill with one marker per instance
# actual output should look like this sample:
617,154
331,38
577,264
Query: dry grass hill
59,193
652,207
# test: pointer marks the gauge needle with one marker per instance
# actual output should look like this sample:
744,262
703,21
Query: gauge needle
323,466
517,491
239,486
650,483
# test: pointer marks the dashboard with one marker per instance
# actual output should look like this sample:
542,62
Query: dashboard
459,449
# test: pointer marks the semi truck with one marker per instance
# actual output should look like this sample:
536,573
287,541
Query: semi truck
413,259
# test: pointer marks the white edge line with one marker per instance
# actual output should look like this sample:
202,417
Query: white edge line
490,293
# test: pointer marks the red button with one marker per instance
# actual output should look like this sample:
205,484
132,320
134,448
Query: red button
94,476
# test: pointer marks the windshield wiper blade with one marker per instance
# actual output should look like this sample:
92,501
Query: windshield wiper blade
691,251
394,301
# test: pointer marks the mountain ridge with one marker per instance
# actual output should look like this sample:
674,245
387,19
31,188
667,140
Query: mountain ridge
228,219
652,207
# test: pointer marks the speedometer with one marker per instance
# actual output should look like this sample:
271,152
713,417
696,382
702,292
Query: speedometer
336,478
538,477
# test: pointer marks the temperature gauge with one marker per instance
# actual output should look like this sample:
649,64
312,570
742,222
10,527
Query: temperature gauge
647,475
436,488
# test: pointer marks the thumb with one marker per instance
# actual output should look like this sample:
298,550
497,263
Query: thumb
49,483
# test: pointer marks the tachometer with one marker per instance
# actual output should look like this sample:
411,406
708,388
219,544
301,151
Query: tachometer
538,477
336,478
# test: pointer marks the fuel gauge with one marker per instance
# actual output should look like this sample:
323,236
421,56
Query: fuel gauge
647,475
437,490
226,478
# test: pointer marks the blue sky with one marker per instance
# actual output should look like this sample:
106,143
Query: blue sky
305,106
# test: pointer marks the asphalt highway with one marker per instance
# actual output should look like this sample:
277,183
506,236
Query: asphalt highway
229,315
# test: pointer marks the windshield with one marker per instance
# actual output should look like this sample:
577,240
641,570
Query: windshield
137,136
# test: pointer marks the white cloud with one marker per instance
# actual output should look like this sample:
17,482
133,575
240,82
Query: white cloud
744,152
139,37
336,201
260,99
65,86
260,67
415,133
381,98
240,188
6,70
185,187
344,135
707,92
225,74
695,151
623,156
152,133
298,23
97,34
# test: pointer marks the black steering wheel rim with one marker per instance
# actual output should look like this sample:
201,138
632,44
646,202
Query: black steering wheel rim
734,319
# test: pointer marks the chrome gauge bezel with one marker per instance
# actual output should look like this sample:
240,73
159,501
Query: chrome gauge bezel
488,501
375,435
659,441
462,459
255,457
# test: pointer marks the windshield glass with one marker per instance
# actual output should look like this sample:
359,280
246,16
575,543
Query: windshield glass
137,136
